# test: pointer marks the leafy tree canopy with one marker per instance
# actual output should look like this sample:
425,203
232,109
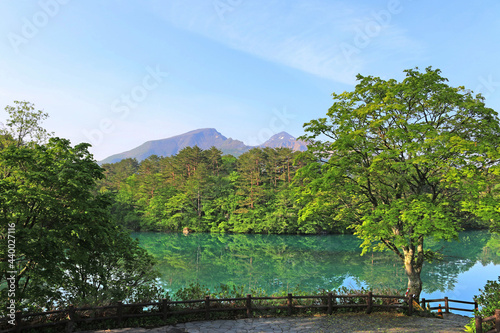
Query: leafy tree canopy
66,249
407,160
24,124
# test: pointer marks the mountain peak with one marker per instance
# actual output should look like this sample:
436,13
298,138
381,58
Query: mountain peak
285,140
204,138
197,132
281,136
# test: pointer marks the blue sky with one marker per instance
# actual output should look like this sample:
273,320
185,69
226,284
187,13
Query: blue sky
118,73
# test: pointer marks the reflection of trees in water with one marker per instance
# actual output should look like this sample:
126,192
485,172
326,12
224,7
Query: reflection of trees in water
382,271
458,257
277,262
491,251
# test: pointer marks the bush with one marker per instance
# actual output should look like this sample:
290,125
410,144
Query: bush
488,301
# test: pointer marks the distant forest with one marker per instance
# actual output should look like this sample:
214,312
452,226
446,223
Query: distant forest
207,191
261,191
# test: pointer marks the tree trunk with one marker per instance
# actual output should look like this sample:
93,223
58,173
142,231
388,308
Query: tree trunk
413,262
412,257
414,281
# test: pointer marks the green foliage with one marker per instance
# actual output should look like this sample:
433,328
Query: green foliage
488,301
192,291
207,192
407,161
489,298
67,250
23,124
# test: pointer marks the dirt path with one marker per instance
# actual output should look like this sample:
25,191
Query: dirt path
348,323
388,322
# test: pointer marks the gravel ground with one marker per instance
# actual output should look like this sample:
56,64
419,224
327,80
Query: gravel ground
388,322
348,323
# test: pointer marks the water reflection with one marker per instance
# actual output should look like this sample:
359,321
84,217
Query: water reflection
276,262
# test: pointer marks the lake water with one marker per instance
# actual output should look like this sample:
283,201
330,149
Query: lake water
285,262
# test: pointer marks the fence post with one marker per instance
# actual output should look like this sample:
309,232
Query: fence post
423,303
446,305
164,309
479,324
249,306
497,320
207,307
119,310
290,305
369,303
330,308
71,314
410,304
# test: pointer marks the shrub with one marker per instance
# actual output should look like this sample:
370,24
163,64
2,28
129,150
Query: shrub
488,301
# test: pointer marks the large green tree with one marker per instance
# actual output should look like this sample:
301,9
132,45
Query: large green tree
405,161
67,251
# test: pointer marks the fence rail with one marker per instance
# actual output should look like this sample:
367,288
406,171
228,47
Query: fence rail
478,320
166,309
447,307
495,318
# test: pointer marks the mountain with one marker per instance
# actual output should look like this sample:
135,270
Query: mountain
285,140
204,138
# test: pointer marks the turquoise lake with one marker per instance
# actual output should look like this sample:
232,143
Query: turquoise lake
288,262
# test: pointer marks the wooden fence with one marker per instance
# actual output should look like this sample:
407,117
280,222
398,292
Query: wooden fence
167,309
495,317
479,320
446,306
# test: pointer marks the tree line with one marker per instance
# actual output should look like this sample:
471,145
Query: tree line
206,191
265,190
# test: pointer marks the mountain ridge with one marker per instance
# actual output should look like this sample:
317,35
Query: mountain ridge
204,138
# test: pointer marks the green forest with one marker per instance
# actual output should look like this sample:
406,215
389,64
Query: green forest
261,191
258,192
